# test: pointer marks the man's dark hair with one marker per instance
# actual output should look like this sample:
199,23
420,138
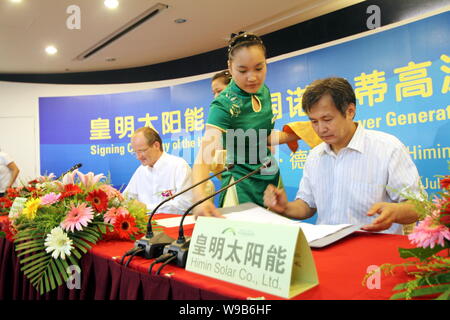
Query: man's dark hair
339,89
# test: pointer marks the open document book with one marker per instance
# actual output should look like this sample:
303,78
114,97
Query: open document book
316,235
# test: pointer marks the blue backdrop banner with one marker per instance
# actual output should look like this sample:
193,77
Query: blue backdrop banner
401,78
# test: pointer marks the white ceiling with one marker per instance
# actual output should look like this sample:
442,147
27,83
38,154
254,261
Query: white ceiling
26,28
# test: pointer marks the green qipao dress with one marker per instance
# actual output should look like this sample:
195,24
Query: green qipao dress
246,120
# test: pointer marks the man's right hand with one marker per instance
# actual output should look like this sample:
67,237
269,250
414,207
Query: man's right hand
275,199
207,209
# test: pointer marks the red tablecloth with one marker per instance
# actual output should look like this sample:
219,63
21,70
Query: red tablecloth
341,268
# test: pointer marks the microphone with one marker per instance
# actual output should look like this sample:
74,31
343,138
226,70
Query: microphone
78,165
153,245
180,247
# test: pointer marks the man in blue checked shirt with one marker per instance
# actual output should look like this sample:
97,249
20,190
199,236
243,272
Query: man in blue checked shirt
355,176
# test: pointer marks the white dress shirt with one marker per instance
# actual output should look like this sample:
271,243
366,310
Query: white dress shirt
374,167
5,172
168,176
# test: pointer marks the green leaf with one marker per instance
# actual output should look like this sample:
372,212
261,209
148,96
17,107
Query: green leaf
102,228
33,257
444,296
56,272
75,253
80,244
36,271
29,251
29,245
47,286
26,237
66,265
33,263
91,231
41,287
421,253
49,275
422,291
429,280
85,236
73,260
2,234
61,269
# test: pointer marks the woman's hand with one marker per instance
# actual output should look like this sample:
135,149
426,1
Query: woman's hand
207,209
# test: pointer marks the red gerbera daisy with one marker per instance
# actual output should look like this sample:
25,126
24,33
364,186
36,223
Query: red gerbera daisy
5,203
33,182
70,190
7,229
99,200
32,190
125,226
445,183
12,192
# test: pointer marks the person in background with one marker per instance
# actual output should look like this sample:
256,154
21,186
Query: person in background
219,82
355,173
8,172
160,174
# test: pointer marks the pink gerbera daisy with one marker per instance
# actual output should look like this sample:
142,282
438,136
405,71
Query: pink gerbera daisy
429,233
77,217
111,192
112,213
50,198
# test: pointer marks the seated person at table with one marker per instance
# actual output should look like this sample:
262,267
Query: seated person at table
160,174
355,174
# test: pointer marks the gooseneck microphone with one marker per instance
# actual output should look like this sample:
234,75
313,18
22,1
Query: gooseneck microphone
78,165
149,224
151,246
180,247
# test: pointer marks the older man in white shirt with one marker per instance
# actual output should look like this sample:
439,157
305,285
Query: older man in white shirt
355,173
160,174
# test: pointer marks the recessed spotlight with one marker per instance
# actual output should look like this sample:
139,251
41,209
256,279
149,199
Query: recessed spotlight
51,50
15,1
181,20
111,4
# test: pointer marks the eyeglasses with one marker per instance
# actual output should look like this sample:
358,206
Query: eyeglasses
138,152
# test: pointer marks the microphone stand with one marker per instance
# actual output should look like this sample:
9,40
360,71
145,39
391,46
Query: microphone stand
152,245
78,165
180,247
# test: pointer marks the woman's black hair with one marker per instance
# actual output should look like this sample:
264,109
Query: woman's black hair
243,39
225,75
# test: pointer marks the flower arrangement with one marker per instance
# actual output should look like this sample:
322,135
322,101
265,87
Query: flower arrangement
59,220
430,268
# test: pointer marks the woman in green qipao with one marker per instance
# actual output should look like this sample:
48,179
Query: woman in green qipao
240,120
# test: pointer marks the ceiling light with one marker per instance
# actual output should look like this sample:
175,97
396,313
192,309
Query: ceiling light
145,16
51,50
111,4
181,20
16,1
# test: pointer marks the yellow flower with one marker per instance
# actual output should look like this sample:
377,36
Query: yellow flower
31,207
